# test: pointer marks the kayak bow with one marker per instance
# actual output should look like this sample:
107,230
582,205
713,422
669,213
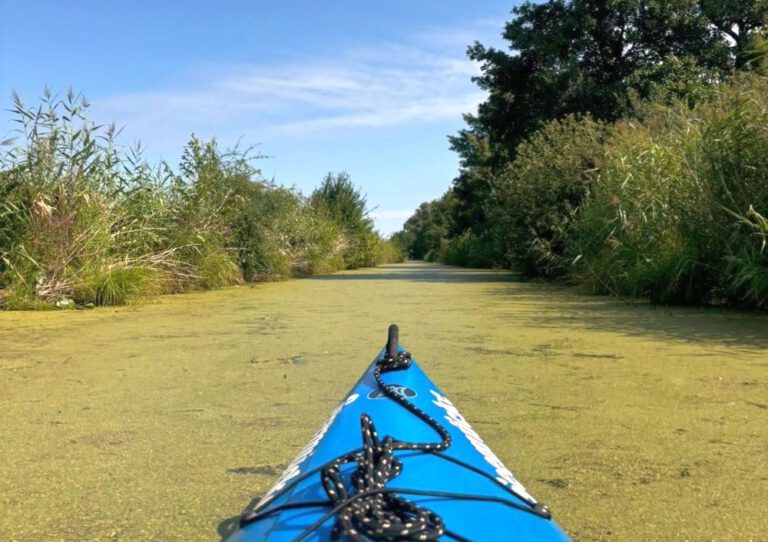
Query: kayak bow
431,477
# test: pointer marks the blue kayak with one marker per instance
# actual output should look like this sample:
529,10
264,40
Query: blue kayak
397,461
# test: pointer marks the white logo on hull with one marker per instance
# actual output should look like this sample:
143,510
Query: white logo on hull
503,474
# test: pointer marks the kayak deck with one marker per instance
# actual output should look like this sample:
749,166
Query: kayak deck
464,485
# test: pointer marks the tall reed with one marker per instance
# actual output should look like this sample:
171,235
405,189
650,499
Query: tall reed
676,209
84,220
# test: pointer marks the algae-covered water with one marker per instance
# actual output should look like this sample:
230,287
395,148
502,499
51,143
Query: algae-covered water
163,421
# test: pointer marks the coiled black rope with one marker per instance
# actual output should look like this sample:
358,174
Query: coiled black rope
403,361
381,516
377,515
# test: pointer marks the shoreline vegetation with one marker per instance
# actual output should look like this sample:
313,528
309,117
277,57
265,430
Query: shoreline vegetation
609,158
85,221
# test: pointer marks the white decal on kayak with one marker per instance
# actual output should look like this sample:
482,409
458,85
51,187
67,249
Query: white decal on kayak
504,475
293,470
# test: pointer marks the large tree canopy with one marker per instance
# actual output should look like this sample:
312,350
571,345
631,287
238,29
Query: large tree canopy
596,58
588,56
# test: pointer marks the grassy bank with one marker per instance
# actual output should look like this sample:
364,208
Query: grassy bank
86,221
163,421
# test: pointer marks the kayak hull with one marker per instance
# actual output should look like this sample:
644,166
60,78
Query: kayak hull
427,472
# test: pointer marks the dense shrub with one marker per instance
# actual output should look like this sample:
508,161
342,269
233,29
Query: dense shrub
471,250
85,221
338,201
670,204
677,209
424,234
69,223
537,198
391,252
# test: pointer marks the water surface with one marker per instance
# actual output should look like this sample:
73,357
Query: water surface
162,421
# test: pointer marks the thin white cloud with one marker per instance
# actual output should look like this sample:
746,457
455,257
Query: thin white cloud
488,31
380,215
380,85
422,111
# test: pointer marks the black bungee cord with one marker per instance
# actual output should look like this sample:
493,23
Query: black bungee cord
379,515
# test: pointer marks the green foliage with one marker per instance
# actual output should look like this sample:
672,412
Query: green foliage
295,238
539,195
630,239
83,220
117,286
214,268
391,251
758,53
67,206
601,59
739,22
424,233
590,56
470,250
671,79
19,296
612,151
676,212
746,269
337,200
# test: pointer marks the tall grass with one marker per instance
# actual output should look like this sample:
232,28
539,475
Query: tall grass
538,197
677,207
84,220
670,205
66,216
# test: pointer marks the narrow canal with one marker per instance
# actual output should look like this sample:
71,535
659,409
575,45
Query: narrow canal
161,421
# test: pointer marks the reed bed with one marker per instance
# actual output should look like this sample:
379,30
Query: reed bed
87,221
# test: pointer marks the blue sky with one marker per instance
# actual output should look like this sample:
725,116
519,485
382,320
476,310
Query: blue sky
372,88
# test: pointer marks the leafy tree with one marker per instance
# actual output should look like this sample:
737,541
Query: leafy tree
541,193
339,200
338,196
579,56
471,189
599,58
424,232
740,23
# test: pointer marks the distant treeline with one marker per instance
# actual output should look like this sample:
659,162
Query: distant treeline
85,221
623,146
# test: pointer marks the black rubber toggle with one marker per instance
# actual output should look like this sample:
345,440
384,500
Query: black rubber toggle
393,339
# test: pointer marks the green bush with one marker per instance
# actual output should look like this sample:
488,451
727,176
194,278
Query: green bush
425,233
83,220
215,268
117,286
67,189
338,201
470,250
539,195
675,210
391,252
668,205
